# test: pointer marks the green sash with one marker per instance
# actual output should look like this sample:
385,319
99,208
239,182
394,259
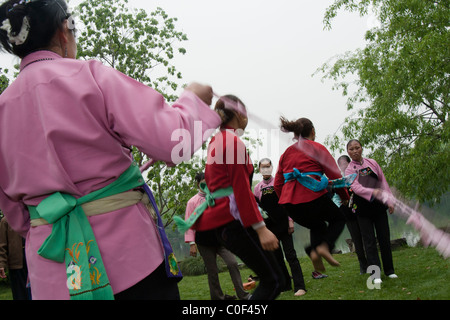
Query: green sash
184,226
72,240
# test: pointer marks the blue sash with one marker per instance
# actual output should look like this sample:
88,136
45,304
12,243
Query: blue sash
315,185
305,180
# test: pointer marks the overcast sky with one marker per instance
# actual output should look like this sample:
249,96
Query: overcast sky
265,52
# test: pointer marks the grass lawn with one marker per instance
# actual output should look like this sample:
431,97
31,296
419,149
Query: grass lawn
423,274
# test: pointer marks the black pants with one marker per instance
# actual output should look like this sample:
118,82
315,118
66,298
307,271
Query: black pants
245,244
291,257
156,286
322,217
18,281
371,220
355,233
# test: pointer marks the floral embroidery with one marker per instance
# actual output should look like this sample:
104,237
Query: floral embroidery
75,252
95,276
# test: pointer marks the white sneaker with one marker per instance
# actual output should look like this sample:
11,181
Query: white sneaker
377,280
393,276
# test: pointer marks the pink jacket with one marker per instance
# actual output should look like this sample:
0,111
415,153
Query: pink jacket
192,204
66,125
366,193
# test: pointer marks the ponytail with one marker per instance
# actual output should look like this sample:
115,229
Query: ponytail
226,114
301,127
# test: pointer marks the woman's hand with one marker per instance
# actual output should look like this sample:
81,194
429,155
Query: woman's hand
291,228
193,250
269,241
205,93
391,208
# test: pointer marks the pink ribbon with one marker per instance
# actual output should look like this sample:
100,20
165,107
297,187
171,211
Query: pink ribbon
429,234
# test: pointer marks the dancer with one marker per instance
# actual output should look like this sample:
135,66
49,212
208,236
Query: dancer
351,219
67,130
371,213
230,208
279,223
209,248
304,197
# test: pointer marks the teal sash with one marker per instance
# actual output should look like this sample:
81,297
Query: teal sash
183,225
72,240
315,185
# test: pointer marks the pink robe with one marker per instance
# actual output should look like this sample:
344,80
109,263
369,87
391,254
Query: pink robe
66,125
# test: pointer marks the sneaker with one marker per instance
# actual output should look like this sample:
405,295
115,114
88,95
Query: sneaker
393,276
377,280
318,275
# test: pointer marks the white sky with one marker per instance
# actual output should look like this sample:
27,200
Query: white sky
265,52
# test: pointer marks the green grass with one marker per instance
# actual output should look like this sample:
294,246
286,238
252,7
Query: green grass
423,274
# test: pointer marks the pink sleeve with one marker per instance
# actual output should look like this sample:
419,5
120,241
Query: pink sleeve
16,214
384,184
364,192
257,191
189,236
138,115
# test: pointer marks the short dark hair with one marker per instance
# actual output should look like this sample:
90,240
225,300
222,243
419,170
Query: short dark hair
345,157
264,159
353,140
45,17
199,177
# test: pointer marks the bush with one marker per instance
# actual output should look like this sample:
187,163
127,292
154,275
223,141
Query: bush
195,266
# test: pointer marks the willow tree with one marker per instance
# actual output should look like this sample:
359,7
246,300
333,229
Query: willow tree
398,90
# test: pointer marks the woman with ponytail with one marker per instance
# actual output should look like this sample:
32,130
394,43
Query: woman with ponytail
232,212
68,182
305,199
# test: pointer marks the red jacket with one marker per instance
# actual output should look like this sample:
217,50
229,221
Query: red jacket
228,164
314,158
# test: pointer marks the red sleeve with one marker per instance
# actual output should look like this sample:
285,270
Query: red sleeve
238,172
279,178
331,169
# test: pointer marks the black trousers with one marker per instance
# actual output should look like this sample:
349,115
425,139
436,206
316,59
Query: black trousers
18,281
322,217
371,220
156,286
355,233
244,243
291,256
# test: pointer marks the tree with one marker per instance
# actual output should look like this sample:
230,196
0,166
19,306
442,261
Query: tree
132,41
4,80
400,82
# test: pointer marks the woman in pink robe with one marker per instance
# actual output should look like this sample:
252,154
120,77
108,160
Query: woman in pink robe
67,125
